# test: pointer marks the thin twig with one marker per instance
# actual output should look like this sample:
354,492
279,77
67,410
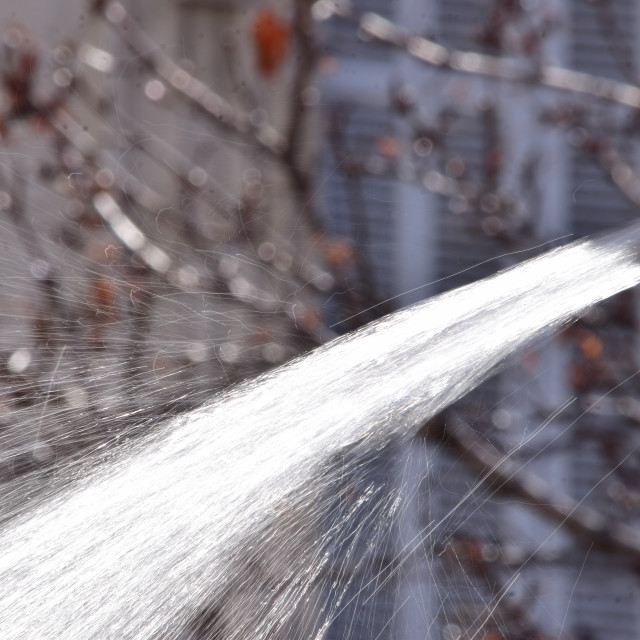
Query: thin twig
193,176
214,106
502,68
285,150
302,32
507,476
133,238
301,175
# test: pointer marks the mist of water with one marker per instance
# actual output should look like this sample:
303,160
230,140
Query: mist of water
235,506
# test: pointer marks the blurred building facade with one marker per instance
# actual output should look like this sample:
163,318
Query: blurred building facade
455,175
435,178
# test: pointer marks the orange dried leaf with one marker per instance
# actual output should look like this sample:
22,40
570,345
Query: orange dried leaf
103,302
339,253
271,37
591,346
328,65
104,293
311,319
388,146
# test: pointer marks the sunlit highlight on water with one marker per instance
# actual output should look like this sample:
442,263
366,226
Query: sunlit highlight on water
134,549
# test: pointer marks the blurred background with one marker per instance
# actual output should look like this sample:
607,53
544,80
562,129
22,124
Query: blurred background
195,191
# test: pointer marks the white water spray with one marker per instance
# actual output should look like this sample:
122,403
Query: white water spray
224,505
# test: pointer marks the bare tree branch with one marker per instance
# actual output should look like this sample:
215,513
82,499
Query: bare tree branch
507,476
502,68
302,31
301,173
131,236
211,104
596,144
613,162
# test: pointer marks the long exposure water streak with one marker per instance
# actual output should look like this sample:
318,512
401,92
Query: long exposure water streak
135,547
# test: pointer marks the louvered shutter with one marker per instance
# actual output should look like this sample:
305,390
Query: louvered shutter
464,249
606,50
463,246
361,207
603,36
451,524
596,204
610,612
340,40
606,595
464,254
605,600
460,22
359,200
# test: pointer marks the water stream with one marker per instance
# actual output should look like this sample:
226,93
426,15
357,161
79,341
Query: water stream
230,516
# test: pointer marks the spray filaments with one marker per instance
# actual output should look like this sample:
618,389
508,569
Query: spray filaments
134,549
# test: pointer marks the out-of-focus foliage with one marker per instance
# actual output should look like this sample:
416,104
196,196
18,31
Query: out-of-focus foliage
165,229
